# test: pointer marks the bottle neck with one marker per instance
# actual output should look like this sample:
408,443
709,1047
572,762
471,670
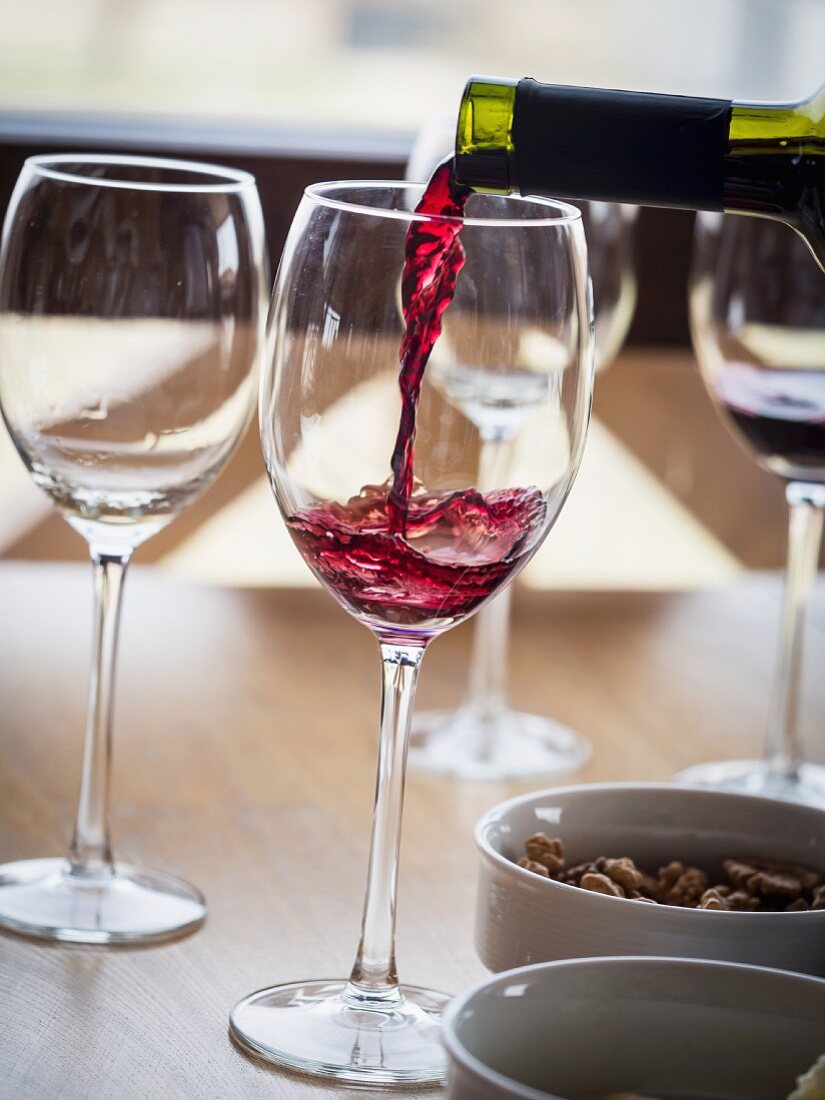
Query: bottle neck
641,148
484,136
780,124
775,160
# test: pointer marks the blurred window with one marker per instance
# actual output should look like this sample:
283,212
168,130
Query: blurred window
388,64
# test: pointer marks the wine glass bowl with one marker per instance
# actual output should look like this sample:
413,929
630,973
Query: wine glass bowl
131,306
384,490
327,446
127,369
758,322
757,308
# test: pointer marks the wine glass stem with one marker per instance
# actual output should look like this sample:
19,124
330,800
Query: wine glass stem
806,503
90,854
487,686
374,979
488,663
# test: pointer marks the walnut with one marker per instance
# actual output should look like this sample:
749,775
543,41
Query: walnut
808,880
546,850
532,865
687,888
668,875
753,883
574,874
712,899
741,899
777,884
648,886
798,906
625,872
762,877
737,871
601,884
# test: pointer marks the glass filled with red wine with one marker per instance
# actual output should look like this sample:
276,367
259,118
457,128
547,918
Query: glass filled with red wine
757,306
381,482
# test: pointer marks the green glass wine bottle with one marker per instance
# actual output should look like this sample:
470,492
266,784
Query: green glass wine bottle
648,149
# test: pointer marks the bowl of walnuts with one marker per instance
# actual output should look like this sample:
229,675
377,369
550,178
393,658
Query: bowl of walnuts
651,869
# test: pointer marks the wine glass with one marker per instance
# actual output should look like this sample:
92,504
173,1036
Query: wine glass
330,407
757,311
132,292
485,738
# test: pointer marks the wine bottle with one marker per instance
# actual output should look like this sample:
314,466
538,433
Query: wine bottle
647,149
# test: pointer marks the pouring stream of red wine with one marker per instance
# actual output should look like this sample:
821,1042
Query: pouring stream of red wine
410,559
434,256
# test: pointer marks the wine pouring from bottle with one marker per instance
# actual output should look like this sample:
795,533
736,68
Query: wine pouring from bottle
647,149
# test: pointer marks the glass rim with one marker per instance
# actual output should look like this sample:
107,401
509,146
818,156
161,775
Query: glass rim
228,180
566,214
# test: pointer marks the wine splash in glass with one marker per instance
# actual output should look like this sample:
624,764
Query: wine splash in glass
393,521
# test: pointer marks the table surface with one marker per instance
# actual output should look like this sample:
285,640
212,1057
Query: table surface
244,761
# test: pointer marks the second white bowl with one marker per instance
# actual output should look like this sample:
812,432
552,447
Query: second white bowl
657,1027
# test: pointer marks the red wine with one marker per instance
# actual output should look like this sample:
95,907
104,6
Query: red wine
433,259
798,444
456,550
781,414
420,559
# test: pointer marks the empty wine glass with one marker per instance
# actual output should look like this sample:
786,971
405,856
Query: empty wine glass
757,310
408,565
131,298
485,738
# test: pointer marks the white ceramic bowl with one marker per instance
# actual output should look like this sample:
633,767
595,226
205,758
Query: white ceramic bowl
522,918
657,1027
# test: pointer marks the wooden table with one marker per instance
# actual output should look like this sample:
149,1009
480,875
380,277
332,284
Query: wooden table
245,754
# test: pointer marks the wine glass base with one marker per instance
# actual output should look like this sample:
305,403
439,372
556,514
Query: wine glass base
512,745
754,777
313,1027
40,898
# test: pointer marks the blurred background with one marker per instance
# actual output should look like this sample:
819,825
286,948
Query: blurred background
298,92
389,64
